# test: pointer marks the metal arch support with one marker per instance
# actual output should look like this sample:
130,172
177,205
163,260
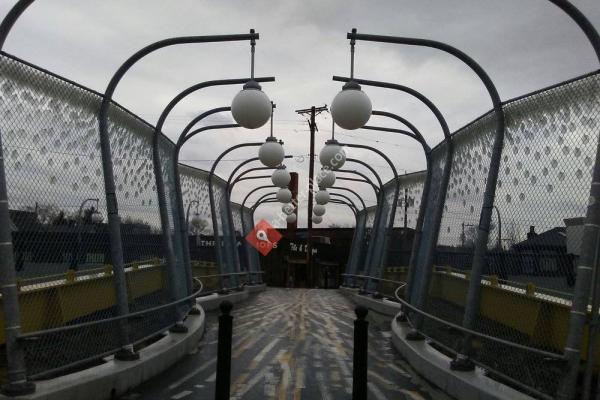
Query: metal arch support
367,166
474,292
426,187
213,206
114,222
357,251
365,179
362,202
382,244
183,228
416,134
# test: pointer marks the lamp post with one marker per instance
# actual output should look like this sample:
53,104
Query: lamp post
427,184
127,352
461,363
381,249
183,138
95,218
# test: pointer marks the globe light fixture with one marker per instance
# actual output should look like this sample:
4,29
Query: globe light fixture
325,178
251,107
271,152
284,195
281,177
96,217
322,196
319,210
287,208
332,156
290,219
317,219
351,108
196,220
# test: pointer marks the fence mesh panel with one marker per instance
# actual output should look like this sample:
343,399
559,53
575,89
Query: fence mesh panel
541,199
58,217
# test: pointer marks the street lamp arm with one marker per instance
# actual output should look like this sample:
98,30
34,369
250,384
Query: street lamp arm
365,177
581,20
199,118
417,134
204,129
345,203
231,185
12,17
439,46
343,196
388,85
343,178
254,191
370,168
239,166
353,192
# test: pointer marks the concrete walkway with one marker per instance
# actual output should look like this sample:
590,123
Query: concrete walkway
291,344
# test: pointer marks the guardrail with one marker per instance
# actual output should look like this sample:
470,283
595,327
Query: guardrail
468,334
57,312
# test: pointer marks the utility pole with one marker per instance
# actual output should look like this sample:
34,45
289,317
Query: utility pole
313,112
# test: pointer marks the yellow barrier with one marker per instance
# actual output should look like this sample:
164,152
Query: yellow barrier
55,303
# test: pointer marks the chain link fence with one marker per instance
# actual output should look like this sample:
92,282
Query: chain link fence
534,243
58,217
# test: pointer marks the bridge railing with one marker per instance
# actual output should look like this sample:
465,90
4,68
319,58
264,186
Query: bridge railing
536,350
67,283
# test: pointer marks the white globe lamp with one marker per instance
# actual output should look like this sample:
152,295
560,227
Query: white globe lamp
290,219
284,195
251,107
332,156
281,177
351,108
319,210
322,197
96,217
316,219
287,208
325,178
271,152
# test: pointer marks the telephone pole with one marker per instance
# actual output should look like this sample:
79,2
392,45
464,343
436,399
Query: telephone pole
312,112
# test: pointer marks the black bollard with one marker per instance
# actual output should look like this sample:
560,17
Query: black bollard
223,381
359,367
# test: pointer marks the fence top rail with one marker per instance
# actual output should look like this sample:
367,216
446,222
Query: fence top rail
31,335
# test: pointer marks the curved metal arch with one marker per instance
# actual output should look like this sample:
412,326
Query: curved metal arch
212,201
426,184
365,179
343,196
240,177
353,192
197,119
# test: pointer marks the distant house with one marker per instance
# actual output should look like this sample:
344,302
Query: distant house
544,253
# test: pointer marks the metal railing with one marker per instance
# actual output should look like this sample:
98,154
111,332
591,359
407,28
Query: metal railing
493,372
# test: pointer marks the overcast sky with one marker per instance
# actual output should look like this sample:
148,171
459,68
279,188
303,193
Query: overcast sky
523,44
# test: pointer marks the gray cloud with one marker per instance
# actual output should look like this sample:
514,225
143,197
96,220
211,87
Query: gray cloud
524,45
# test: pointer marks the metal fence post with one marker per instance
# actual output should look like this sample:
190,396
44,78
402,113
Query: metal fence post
223,378
589,250
360,356
17,377
17,374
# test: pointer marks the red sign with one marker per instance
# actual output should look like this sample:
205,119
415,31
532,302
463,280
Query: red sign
263,237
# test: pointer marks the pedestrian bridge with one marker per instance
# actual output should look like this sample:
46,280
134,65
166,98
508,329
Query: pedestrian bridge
291,344
475,278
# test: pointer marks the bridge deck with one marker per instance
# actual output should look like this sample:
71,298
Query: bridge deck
291,344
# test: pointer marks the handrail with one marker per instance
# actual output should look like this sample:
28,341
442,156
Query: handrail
34,334
404,303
